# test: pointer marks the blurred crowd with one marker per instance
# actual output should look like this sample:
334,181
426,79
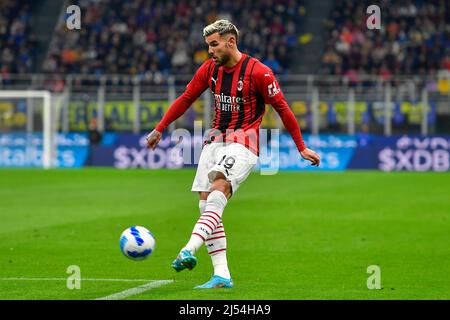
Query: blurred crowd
414,39
154,38
17,40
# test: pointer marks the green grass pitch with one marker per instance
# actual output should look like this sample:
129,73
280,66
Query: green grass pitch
294,235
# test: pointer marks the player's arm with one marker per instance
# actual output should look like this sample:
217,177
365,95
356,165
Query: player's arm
194,89
270,89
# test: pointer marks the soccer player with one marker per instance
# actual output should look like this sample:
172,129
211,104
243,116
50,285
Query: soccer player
241,86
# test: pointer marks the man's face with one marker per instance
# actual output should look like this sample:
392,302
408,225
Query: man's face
219,47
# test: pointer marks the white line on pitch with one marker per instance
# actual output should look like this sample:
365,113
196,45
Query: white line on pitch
82,279
137,290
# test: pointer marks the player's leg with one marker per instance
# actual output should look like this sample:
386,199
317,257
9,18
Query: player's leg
201,184
207,223
212,215
232,166
232,169
216,244
216,241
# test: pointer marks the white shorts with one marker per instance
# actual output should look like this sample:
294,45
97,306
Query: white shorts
232,159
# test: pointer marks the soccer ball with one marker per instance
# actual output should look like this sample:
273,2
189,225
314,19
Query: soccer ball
137,243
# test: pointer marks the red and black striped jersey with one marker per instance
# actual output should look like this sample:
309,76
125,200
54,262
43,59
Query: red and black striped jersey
240,94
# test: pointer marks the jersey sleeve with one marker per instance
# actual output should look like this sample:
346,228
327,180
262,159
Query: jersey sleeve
269,88
194,89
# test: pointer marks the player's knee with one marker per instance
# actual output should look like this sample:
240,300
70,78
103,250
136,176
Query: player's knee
203,195
221,184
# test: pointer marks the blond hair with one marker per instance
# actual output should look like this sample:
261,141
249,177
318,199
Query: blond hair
222,27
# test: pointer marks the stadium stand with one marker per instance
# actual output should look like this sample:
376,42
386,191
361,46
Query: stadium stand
136,50
139,37
17,39
415,39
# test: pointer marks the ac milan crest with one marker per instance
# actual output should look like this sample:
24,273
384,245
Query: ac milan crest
240,85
